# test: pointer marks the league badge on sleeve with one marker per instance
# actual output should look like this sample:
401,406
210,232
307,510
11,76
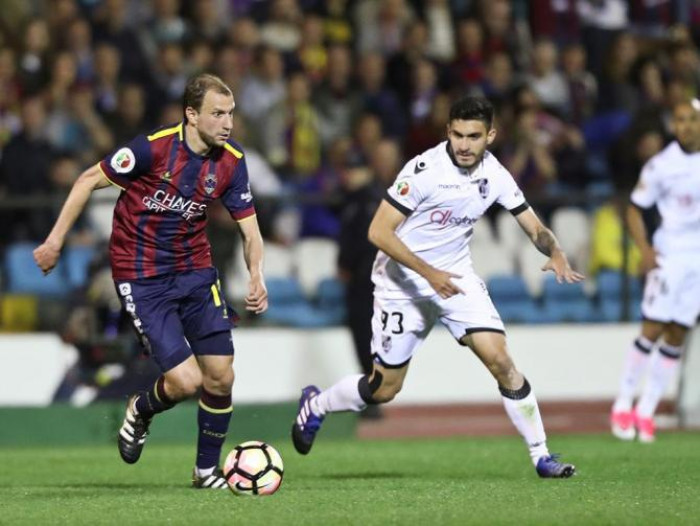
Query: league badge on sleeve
402,188
123,161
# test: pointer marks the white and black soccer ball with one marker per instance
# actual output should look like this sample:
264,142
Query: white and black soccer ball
254,468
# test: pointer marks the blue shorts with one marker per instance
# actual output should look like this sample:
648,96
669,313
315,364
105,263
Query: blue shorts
179,314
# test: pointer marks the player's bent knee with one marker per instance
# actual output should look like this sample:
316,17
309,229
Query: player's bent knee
184,385
369,387
375,390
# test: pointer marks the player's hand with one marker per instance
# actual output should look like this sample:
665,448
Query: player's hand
256,300
441,282
46,256
648,262
561,268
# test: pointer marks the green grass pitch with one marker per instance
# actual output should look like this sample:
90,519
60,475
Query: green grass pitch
347,482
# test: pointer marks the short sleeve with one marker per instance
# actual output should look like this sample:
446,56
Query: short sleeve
646,193
510,195
127,163
411,187
238,198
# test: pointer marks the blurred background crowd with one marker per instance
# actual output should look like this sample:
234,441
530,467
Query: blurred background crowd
332,97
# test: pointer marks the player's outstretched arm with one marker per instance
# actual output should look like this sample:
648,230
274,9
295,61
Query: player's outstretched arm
546,242
638,232
256,300
46,255
382,234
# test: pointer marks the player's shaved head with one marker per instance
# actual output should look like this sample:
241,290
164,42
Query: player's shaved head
686,123
197,87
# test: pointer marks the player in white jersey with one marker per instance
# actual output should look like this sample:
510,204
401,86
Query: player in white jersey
423,273
671,302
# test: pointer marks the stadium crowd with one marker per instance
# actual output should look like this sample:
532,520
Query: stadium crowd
333,96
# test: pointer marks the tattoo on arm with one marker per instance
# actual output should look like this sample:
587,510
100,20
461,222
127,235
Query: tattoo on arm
545,241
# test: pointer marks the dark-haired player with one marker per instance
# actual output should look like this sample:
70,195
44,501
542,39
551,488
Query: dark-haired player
161,262
423,273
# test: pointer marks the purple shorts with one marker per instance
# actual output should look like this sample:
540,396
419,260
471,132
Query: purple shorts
179,314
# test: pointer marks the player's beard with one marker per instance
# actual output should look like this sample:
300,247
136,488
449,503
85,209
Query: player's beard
213,141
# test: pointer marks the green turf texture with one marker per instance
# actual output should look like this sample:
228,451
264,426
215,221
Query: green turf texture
426,482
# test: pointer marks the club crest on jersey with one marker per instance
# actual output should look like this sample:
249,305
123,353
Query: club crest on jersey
483,187
123,161
403,188
210,183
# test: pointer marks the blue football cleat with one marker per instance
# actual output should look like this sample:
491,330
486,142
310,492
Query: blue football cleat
307,423
550,468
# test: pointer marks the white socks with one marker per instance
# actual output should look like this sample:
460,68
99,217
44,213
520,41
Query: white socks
341,396
633,369
522,408
201,473
663,367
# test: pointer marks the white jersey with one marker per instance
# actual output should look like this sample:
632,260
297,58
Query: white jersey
671,180
442,202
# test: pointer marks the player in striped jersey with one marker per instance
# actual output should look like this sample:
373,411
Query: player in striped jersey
161,262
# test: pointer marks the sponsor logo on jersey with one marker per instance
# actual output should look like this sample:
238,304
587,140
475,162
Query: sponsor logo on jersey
420,166
247,196
166,176
446,217
449,186
403,188
210,183
123,161
162,201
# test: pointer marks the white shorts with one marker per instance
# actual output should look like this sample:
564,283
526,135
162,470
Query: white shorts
400,325
672,292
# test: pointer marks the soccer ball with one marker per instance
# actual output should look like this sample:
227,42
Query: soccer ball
253,468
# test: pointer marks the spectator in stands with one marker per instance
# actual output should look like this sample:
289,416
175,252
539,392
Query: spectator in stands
10,123
106,81
431,129
414,47
264,87
527,155
424,89
292,137
337,100
282,28
616,89
683,67
498,81
79,43
546,80
377,97
441,37
380,25
468,67
33,59
112,26
312,55
78,129
130,117
24,172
